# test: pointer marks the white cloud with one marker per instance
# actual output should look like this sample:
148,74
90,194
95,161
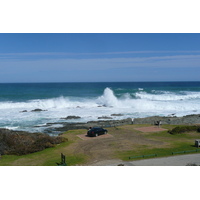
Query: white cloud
92,53
69,69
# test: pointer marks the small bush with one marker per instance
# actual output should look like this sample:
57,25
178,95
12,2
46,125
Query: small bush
183,129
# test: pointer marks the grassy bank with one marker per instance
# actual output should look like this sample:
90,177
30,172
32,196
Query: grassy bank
124,142
47,157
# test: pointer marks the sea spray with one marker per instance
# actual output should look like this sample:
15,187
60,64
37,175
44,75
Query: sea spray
108,99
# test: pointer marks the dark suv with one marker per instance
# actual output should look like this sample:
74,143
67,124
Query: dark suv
96,131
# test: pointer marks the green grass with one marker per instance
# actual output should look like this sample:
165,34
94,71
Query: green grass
176,143
7,159
160,152
31,160
47,157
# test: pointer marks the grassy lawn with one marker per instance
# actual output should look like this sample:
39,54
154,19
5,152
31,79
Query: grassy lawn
47,157
126,142
173,143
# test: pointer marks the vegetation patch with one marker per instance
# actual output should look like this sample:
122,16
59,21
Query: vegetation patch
159,152
184,129
22,143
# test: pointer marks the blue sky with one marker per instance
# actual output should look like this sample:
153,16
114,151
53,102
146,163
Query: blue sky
92,57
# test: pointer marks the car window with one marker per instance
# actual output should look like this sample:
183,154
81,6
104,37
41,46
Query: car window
96,129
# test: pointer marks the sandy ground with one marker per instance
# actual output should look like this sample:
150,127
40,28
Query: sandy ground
150,129
182,160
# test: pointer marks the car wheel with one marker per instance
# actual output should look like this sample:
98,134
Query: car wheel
105,132
96,135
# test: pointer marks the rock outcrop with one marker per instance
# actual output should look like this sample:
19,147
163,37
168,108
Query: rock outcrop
71,117
100,123
188,119
37,110
104,117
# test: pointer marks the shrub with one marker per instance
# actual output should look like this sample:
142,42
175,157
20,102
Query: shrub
21,143
183,129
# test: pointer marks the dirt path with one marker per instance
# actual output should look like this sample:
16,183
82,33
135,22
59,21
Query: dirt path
96,149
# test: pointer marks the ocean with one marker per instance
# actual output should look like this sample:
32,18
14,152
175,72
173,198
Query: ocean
92,100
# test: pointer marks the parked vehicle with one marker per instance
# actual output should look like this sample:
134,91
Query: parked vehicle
94,132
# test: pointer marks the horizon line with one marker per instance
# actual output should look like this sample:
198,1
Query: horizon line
95,82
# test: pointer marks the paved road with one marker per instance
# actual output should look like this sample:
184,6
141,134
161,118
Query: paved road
181,160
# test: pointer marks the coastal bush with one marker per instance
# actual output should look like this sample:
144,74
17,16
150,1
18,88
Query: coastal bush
183,129
21,143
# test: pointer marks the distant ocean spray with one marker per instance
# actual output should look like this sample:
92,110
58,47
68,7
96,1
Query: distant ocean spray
92,100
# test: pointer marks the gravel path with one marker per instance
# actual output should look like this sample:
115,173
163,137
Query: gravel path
181,160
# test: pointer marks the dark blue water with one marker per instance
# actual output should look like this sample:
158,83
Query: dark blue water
18,92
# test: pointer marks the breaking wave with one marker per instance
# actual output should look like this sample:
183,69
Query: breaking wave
108,98
140,103
161,102
60,102
168,96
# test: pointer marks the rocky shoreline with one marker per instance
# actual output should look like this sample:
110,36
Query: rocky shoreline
171,120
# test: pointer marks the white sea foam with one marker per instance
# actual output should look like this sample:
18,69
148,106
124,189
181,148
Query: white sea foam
168,96
60,102
11,127
141,104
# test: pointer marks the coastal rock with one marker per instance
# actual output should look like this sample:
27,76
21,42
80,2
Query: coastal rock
37,110
100,123
71,117
24,111
188,119
101,106
104,117
117,115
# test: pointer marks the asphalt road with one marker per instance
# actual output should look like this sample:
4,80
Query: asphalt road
181,160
